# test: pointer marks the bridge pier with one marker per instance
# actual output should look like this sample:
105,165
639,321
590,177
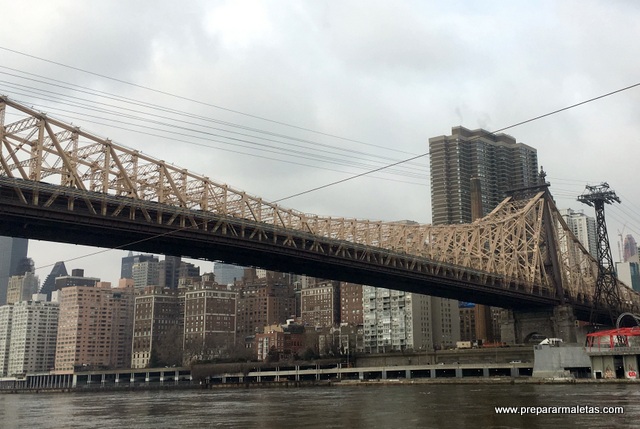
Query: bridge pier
519,327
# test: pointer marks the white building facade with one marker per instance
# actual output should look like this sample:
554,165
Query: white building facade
28,333
6,319
33,336
583,227
396,320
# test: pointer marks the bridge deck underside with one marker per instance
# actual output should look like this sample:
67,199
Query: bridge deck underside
46,212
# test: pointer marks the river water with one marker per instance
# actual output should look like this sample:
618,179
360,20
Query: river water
385,406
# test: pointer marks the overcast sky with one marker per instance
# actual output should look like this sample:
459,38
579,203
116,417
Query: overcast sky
347,86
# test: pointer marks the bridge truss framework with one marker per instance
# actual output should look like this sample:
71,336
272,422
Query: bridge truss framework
52,173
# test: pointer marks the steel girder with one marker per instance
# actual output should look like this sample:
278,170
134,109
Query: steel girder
522,242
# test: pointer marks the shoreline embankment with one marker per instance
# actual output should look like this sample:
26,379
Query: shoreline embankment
324,383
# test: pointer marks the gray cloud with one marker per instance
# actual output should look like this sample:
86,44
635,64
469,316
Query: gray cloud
391,76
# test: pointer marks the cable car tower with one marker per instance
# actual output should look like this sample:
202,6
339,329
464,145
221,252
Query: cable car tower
606,293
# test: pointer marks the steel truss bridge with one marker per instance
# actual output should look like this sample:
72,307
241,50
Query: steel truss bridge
60,183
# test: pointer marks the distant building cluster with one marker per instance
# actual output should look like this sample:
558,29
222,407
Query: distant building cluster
584,228
164,313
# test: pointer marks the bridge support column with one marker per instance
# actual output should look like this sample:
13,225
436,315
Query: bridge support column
521,327
564,323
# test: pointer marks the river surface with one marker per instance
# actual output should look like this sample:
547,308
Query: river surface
399,406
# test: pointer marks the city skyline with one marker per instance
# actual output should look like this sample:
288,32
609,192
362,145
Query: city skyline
325,110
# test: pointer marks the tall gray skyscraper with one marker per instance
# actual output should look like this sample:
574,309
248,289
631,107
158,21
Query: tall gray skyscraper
169,271
496,160
13,254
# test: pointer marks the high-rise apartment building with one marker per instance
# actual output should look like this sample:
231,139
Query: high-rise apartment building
210,312
397,320
126,267
95,327
13,254
6,319
28,331
583,227
496,160
498,164
445,322
158,328
22,288
467,321
169,272
146,273
321,304
262,302
187,269
34,330
351,304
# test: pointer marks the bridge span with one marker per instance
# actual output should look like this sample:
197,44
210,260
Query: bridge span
60,183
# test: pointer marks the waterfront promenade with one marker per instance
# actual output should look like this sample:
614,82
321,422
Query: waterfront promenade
297,374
